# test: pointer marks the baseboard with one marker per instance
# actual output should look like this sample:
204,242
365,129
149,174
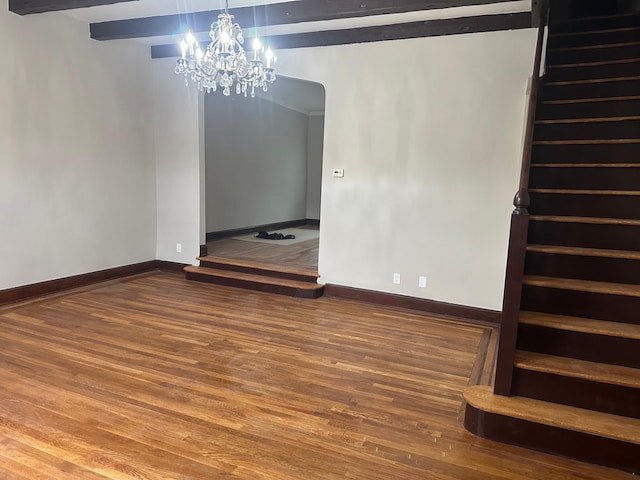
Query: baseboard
420,304
39,289
212,236
174,267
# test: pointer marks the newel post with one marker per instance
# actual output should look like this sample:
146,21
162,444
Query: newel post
512,293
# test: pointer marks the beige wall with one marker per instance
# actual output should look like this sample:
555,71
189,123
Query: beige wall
315,142
77,171
431,150
256,162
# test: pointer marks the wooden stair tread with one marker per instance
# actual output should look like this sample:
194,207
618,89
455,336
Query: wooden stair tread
595,47
591,32
585,252
590,100
588,120
593,80
214,272
591,220
609,141
561,416
568,191
575,368
589,64
583,285
583,325
585,165
253,264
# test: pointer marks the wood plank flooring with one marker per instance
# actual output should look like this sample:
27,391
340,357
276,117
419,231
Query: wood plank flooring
301,256
155,377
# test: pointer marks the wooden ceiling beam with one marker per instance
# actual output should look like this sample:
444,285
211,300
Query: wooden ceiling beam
28,7
271,14
429,28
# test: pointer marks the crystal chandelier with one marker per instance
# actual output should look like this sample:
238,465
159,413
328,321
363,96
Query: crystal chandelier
224,63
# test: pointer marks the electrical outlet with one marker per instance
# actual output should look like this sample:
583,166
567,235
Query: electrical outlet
422,282
178,248
396,279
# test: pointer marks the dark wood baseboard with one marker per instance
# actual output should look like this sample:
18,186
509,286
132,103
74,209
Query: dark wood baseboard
204,250
212,236
173,267
423,305
33,290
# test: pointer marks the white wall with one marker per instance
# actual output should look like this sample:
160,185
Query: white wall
315,136
431,152
178,123
256,165
77,173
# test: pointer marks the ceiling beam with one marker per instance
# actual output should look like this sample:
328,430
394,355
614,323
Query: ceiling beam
272,14
428,28
27,7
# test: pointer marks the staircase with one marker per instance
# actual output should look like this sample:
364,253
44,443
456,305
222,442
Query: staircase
576,375
254,276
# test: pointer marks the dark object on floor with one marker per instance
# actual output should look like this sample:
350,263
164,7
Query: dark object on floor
274,236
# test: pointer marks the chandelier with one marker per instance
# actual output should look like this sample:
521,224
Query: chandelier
224,64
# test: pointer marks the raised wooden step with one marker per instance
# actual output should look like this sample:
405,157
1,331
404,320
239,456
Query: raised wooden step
594,90
586,339
258,268
582,298
262,283
598,203
587,435
577,177
593,154
595,386
595,24
588,232
600,265
594,55
574,130
598,37
626,68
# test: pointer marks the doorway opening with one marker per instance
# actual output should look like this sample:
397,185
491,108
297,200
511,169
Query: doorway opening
263,172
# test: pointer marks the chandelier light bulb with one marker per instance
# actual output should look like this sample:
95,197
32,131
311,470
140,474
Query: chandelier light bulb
190,38
269,56
184,47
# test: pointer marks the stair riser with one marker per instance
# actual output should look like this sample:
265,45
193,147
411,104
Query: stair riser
599,269
600,153
588,72
575,392
594,24
616,237
585,178
255,286
586,39
258,271
580,345
601,206
571,57
626,88
554,440
598,306
587,130
611,108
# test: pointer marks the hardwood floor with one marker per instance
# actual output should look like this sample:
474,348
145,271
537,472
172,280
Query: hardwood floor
302,256
155,377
